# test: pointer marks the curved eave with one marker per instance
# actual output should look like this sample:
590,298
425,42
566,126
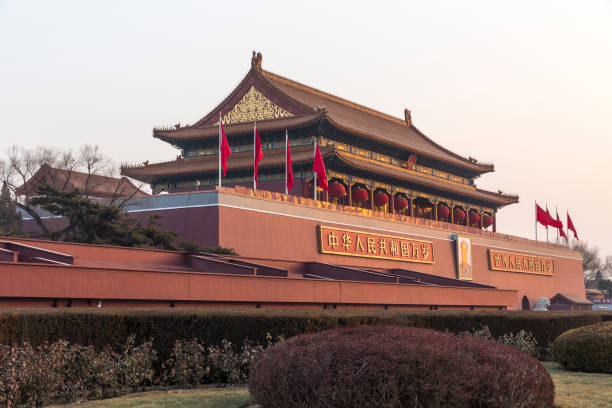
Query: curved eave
461,162
499,200
236,162
481,167
190,134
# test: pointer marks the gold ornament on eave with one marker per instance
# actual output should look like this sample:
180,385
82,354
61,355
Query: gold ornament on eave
254,106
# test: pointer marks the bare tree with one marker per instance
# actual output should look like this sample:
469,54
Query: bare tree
93,163
20,165
591,262
606,269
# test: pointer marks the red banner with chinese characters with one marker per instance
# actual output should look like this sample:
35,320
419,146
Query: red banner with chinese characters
511,262
364,244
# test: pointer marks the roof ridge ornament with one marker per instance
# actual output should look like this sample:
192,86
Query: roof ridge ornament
408,117
256,61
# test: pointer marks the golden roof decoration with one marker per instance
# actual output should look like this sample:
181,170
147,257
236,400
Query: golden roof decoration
254,106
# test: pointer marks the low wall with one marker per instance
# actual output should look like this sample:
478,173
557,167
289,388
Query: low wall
48,284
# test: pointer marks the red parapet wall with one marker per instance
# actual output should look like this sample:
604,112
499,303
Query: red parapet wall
48,285
270,229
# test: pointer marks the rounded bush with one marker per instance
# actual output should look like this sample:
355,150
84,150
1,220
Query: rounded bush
386,366
587,348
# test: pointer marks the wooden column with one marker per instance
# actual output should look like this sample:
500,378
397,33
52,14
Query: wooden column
411,206
467,217
372,198
495,221
326,194
435,210
350,193
392,203
452,213
481,220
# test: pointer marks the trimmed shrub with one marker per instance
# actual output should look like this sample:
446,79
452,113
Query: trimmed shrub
63,372
522,340
111,327
187,365
586,348
382,366
192,364
136,363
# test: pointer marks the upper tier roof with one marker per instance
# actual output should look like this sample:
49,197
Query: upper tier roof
292,104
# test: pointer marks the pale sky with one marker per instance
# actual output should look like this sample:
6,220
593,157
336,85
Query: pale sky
526,85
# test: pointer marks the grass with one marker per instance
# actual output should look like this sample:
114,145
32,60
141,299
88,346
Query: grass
233,397
574,389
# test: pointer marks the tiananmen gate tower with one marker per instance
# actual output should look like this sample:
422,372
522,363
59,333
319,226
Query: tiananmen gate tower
402,224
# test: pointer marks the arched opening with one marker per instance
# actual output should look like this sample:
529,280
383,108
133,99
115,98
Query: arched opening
338,191
474,219
401,204
423,208
360,196
444,212
487,220
381,200
459,215
526,305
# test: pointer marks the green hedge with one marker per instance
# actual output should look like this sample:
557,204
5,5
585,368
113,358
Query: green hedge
586,348
100,327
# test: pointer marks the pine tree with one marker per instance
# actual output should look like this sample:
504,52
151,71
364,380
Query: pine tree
10,219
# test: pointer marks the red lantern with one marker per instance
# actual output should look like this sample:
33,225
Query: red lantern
487,220
400,202
458,214
474,218
336,190
380,198
443,211
359,194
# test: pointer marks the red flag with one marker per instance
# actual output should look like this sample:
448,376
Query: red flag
319,168
554,222
541,216
560,227
289,168
225,149
570,226
550,220
258,153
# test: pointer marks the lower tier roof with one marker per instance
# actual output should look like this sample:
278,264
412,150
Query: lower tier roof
304,155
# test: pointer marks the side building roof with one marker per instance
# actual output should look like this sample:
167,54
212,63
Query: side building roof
97,186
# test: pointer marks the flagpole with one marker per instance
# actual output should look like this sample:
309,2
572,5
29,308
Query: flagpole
536,218
286,165
314,173
254,152
220,124
567,228
548,222
557,214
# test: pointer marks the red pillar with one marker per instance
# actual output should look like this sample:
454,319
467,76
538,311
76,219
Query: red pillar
350,194
495,221
372,198
411,207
